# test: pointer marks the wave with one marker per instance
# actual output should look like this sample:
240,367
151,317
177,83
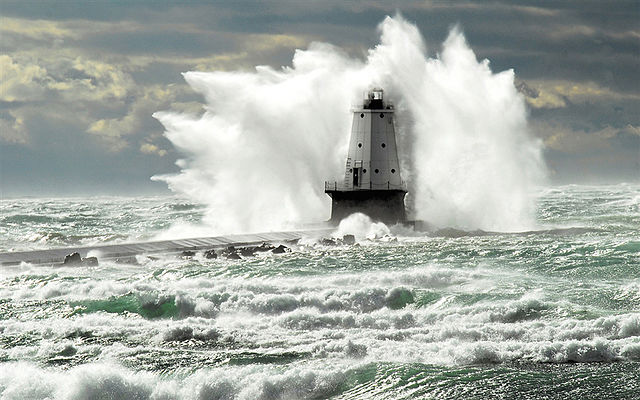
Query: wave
92,381
352,380
568,231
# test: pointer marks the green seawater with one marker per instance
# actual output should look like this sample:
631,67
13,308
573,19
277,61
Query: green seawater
553,313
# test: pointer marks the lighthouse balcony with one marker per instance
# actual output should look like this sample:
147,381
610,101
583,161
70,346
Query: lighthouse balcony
381,202
335,186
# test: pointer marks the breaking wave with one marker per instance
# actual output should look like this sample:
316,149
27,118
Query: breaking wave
258,155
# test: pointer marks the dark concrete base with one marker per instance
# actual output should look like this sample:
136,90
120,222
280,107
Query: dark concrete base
380,205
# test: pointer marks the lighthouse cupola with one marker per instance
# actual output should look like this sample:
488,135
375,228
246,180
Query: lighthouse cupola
372,182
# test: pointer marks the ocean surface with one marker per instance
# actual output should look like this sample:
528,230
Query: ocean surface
548,314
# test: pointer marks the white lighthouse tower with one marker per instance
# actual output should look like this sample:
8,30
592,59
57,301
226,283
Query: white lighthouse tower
372,183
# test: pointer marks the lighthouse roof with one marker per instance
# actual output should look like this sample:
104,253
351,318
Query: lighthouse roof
374,100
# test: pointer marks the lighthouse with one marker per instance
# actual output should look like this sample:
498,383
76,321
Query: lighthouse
372,182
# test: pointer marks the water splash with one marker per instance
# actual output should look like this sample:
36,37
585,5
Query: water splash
362,227
268,139
473,162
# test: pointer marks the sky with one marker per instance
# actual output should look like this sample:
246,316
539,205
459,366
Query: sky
80,80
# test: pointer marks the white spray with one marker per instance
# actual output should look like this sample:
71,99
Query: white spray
268,139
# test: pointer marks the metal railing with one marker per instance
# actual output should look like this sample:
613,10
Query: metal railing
335,186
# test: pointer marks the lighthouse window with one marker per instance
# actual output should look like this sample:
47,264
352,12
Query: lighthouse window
376,170
364,171
361,115
383,145
393,171
359,144
381,115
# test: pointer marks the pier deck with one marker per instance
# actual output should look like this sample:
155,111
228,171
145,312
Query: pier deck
113,251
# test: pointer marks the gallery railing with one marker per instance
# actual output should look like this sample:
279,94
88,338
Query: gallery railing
335,186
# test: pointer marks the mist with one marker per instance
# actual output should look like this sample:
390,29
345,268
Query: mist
268,139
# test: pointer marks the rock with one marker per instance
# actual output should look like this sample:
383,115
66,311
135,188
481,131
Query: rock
281,249
73,259
247,252
349,239
188,253
231,253
127,260
209,254
90,261
76,259
264,247
328,242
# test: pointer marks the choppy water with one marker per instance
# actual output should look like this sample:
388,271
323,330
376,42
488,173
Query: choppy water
547,314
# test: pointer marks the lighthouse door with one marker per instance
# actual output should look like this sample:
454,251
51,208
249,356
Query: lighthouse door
356,177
